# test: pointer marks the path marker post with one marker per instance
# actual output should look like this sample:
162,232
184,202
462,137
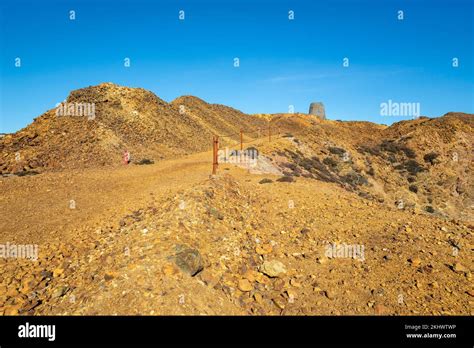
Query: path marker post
241,140
215,149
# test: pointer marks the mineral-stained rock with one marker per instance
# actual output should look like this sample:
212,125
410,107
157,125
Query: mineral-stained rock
188,260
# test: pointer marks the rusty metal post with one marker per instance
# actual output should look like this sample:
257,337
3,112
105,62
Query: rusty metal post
215,149
241,140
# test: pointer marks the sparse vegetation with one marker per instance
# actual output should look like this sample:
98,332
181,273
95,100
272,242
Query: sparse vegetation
27,173
265,181
374,151
394,147
145,161
330,162
391,158
413,167
354,179
336,150
429,209
431,157
286,178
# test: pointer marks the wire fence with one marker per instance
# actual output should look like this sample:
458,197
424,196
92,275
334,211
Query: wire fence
271,132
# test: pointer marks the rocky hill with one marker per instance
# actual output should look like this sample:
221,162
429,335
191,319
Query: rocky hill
124,118
424,165
168,239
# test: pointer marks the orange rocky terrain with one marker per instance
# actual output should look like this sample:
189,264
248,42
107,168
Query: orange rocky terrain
270,238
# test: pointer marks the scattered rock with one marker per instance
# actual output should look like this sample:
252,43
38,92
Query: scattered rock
329,294
59,291
264,249
11,310
169,269
245,285
295,283
273,268
58,272
459,268
415,261
188,260
279,302
258,298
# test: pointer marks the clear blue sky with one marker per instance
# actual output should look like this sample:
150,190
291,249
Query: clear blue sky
282,62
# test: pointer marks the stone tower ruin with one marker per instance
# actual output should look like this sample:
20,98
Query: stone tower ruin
317,109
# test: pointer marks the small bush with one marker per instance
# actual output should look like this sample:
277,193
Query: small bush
389,146
411,179
413,167
391,158
291,166
26,173
145,161
393,147
408,152
297,171
354,179
375,151
265,181
413,188
399,167
330,162
431,157
336,150
286,178
429,209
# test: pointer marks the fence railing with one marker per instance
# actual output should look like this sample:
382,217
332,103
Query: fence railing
258,130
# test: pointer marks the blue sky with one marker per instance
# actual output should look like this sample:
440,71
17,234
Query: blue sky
282,62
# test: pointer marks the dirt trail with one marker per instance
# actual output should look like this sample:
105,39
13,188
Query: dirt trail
119,251
39,206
